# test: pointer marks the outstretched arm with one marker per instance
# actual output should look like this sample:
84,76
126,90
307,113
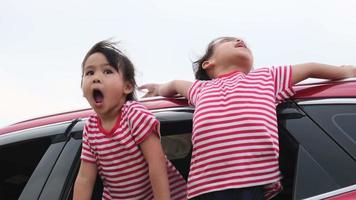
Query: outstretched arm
167,89
317,70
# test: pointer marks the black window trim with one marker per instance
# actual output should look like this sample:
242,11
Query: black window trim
34,133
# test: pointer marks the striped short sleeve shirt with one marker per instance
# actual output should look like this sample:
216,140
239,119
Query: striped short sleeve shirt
120,162
235,134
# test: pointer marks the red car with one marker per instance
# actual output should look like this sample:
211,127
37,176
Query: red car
317,129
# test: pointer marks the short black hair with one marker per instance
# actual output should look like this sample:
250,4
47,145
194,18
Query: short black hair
118,60
200,73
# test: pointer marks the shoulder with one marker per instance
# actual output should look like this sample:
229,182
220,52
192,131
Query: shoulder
262,70
206,83
91,125
198,86
134,107
92,120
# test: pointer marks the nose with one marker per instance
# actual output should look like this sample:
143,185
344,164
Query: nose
97,78
240,42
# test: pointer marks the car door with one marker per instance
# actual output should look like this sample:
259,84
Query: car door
312,160
27,158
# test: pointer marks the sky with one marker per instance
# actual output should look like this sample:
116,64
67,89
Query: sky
42,42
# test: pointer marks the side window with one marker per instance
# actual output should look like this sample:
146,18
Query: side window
339,121
176,131
346,123
18,161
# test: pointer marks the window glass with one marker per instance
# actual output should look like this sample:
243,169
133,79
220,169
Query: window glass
338,121
18,161
346,123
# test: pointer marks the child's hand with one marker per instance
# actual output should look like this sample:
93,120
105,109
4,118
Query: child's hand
168,89
152,89
351,68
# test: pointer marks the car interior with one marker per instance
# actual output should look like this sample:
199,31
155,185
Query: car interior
18,161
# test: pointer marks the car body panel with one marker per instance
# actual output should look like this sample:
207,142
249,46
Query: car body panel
346,193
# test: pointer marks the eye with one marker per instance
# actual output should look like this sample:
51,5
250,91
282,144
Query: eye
108,71
89,73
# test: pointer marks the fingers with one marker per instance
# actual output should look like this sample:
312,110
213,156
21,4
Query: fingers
142,87
145,96
148,94
147,89
150,89
148,86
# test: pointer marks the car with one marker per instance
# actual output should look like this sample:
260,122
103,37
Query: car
346,193
317,132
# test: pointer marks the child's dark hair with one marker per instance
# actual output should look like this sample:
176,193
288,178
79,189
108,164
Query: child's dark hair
117,60
200,73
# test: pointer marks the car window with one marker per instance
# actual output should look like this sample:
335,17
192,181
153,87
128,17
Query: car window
339,121
346,123
176,132
18,161
177,146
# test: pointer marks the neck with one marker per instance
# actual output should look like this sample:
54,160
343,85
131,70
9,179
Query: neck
222,70
109,119
108,122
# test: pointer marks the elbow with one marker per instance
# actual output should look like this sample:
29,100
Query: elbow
169,89
312,70
157,167
174,85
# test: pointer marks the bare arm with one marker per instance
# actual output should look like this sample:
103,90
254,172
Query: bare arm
153,153
167,89
85,181
317,70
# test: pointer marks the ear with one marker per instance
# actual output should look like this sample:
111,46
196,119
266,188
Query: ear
208,64
128,88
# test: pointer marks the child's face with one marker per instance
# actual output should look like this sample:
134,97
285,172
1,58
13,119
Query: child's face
103,86
232,52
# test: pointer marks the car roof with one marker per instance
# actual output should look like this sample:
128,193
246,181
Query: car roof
326,89
329,89
150,103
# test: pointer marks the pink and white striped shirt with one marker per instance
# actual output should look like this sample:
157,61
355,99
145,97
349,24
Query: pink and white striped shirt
120,162
235,134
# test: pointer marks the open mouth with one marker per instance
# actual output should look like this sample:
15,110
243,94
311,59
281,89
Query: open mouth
98,96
